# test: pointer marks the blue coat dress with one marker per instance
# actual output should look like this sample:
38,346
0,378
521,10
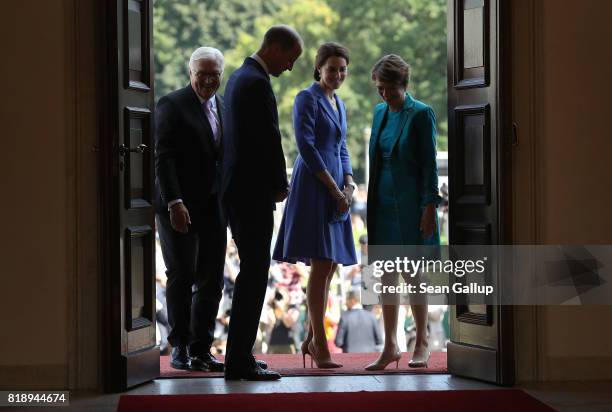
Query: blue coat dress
310,227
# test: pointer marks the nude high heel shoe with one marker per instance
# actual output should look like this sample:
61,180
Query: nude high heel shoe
419,361
304,350
382,362
321,363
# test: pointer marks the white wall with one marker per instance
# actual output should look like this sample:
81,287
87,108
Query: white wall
561,169
562,165
37,173
575,190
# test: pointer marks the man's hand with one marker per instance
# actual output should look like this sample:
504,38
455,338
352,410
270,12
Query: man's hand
179,218
279,197
428,221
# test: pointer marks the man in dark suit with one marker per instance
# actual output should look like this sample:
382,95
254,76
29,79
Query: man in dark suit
192,230
254,179
358,330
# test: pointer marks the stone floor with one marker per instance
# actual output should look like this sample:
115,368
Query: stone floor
570,396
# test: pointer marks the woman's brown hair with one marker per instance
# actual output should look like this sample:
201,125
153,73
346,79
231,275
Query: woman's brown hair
327,50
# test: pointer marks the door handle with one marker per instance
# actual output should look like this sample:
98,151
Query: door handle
515,139
124,150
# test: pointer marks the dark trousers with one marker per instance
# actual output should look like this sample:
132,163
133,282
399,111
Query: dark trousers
251,223
194,266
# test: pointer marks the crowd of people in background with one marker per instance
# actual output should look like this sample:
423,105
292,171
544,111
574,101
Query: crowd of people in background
283,321
220,166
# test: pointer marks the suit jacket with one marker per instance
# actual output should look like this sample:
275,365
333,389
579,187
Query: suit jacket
358,331
186,156
413,166
253,160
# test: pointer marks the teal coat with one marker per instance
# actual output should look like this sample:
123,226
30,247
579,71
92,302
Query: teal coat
414,169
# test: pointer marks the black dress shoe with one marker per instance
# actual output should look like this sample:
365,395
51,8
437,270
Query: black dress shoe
206,363
262,364
179,358
250,373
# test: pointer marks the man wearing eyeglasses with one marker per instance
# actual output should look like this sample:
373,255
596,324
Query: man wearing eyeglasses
192,230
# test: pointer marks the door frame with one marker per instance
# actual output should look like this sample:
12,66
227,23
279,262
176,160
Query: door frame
108,194
505,125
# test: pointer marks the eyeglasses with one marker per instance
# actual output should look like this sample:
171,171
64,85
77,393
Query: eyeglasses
208,76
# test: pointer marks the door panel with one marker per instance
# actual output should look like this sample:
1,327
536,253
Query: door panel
472,38
477,180
138,187
132,355
136,19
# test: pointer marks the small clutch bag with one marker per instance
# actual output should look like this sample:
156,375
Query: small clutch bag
338,217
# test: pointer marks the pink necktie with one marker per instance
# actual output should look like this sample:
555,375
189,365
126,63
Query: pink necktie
212,119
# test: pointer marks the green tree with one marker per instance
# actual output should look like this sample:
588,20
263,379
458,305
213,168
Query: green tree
314,20
413,29
180,26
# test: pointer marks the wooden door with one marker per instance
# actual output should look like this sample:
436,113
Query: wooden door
479,146
131,353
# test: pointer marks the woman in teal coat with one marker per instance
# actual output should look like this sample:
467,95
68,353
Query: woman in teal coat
403,188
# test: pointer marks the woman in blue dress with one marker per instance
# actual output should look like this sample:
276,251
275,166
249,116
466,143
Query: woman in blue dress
403,188
316,228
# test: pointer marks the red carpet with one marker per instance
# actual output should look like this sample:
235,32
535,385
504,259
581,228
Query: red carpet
498,400
291,365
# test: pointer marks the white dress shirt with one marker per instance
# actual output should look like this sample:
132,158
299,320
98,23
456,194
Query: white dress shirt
260,61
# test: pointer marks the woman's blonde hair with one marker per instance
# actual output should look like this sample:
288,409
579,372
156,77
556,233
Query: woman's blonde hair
392,69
